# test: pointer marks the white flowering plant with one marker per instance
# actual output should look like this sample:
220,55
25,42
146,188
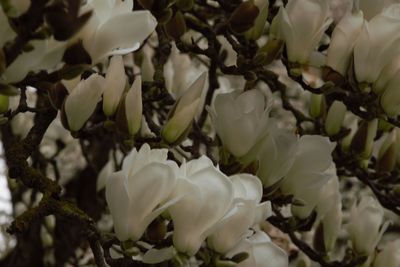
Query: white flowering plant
200,133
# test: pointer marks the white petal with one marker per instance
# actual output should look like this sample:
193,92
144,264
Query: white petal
247,187
149,187
118,201
208,195
121,32
234,226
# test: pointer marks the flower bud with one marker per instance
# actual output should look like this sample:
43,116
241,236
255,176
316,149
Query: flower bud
4,104
256,31
129,115
81,103
335,117
176,26
57,95
147,67
317,105
114,85
184,111
270,51
387,154
363,140
244,16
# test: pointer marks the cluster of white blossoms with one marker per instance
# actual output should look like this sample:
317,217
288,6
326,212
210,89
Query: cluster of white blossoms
204,205
365,41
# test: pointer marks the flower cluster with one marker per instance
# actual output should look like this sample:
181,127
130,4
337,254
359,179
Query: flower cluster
200,201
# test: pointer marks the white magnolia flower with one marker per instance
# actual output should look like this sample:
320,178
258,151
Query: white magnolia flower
377,44
82,101
184,111
329,212
207,195
343,41
389,256
366,217
114,28
45,55
246,211
312,168
114,85
276,156
240,120
262,252
301,24
141,191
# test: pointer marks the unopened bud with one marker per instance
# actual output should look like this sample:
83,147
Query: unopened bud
256,31
272,49
387,154
57,94
335,117
243,17
47,239
363,140
4,104
317,105
176,26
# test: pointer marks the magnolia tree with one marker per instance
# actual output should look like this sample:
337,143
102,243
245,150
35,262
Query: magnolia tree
200,133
